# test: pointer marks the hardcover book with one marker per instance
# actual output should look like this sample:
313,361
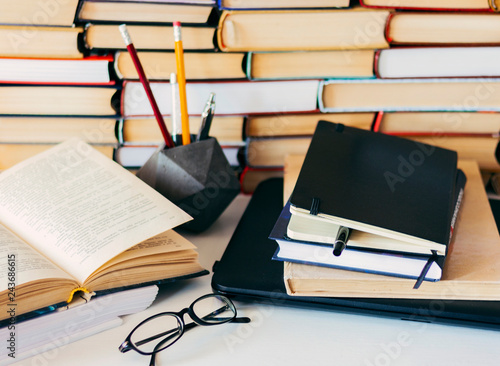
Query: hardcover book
143,11
443,28
34,12
437,5
435,94
302,30
148,37
279,4
473,135
233,97
198,65
43,42
59,100
92,70
438,62
310,64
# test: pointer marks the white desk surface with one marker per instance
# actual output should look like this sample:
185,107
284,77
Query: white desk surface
280,335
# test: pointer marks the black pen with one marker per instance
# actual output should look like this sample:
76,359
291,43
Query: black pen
206,118
341,240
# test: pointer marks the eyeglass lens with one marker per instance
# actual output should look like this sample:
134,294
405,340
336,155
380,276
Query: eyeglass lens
214,309
161,331
165,328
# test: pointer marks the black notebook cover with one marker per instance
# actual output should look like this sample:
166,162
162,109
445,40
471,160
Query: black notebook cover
247,272
380,180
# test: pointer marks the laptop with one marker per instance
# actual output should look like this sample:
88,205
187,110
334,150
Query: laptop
246,272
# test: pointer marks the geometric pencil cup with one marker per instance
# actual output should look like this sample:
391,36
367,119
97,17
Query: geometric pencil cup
196,177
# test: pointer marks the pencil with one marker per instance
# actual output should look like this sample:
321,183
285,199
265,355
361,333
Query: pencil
181,79
145,83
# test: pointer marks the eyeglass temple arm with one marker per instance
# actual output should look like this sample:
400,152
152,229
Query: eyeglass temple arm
186,327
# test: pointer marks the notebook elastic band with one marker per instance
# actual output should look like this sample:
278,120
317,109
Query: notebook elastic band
426,268
314,206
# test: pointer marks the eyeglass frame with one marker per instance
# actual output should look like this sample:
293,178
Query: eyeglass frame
128,345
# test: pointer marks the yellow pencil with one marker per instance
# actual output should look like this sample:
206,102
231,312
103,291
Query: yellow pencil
181,79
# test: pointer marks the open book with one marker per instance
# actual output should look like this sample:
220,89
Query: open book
72,220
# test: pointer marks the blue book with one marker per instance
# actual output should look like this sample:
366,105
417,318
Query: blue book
353,257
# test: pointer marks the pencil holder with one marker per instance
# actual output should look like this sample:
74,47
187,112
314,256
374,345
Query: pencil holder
196,177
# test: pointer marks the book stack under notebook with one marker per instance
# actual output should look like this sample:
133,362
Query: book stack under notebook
470,272
373,203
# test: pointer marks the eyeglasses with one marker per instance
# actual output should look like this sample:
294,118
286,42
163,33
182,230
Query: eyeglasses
211,309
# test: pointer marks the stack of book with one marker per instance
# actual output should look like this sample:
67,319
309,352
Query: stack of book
150,27
296,42
50,90
427,72
369,266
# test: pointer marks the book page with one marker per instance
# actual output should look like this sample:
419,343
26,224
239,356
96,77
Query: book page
25,262
80,208
166,244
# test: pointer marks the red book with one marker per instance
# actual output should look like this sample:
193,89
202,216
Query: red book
92,70
435,5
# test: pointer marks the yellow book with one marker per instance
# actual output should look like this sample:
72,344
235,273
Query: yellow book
148,37
199,65
126,11
304,30
43,42
228,130
311,64
272,137
47,130
14,153
36,12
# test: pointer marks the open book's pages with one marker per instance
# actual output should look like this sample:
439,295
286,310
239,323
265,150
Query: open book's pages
72,220
67,324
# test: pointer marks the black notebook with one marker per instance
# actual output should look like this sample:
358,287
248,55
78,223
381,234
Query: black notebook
380,184
247,272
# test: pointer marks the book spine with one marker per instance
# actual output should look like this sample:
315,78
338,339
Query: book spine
220,41
378,121
248,66
388,27
376,58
